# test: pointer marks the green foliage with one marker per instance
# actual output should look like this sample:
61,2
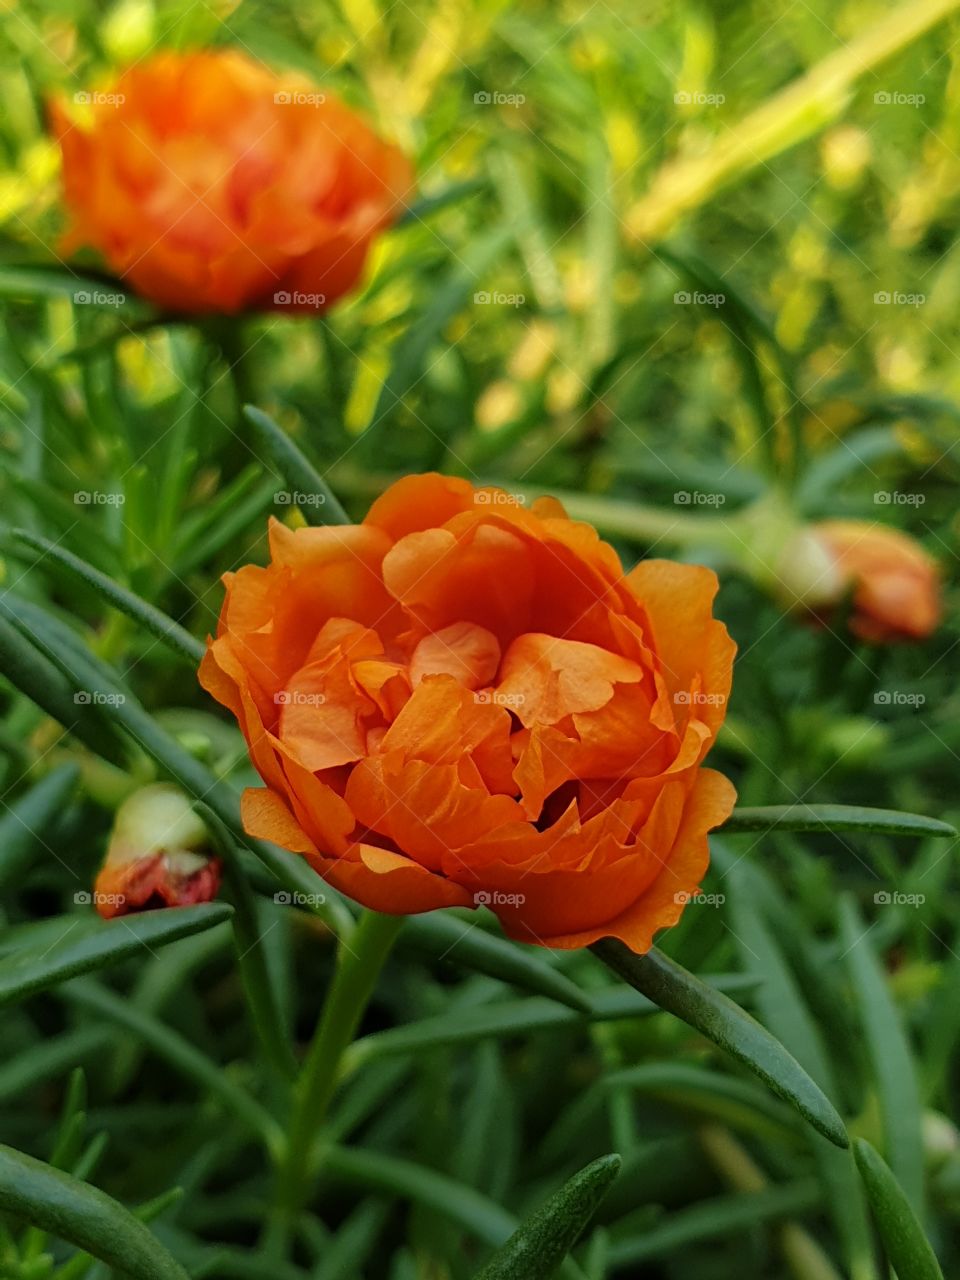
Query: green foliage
532,320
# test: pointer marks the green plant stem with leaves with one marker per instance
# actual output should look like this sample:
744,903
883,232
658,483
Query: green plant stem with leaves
359,962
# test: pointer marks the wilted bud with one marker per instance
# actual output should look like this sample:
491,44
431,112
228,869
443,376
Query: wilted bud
893,583
809,573
159,855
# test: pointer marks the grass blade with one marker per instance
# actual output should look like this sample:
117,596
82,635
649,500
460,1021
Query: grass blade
248,935
785,1010
447,938
292,466
83,1216
89,943
170,633
671,987
833,817
27,817
907,1248
890,1054
711,1219
84,671
539,1245
181,1054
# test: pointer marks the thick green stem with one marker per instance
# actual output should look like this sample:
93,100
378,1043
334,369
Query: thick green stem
359,961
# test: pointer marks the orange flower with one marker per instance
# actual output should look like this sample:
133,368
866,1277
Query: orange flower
159,855
212,185
896,589
461,702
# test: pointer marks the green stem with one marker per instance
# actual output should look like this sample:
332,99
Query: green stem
230,334
802,109
359,962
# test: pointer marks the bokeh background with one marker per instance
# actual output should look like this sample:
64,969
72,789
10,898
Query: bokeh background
590,177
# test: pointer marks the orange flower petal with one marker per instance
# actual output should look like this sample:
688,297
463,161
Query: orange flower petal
463,701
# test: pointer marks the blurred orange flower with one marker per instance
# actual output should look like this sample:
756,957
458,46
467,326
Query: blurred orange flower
895,583
159,855
463,702
210,184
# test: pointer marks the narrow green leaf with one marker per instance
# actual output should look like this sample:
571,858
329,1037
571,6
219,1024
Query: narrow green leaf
72,1121
85,671
715,1218
251,958
87,943
476,1213
833,817
486,1146
907,1248
708,1092
422,208
181,1054
745,324
464,1026
854,454
504,1018
83,1216
293,467
344,1256
175,637
890,1055
731,1028
44,283
536,1249
372,1170
49,1058
302,884
152,1209
784,1009
448,938
446,300
24,823
36,676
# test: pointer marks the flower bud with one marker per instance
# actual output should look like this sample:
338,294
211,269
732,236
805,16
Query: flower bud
892,581
159,855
